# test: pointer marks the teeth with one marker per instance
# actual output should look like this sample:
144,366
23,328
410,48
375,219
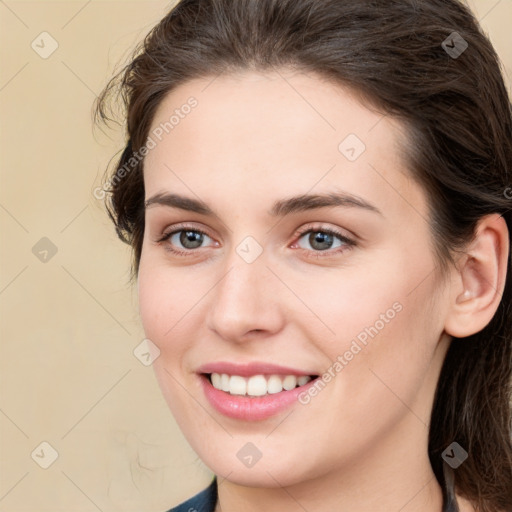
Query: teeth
289,382
237,385
304,379
274,384
257,385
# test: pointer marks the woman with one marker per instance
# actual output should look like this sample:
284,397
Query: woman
317,194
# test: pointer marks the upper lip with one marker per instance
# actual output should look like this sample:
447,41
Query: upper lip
249,369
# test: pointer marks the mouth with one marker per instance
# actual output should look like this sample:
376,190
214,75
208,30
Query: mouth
257,385
256,397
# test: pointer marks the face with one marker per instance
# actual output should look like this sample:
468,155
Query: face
345,288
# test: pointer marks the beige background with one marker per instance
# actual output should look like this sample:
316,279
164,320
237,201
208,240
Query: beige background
69,325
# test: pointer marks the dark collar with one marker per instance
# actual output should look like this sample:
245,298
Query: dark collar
204,501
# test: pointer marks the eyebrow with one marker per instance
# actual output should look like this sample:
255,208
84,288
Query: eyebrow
280,208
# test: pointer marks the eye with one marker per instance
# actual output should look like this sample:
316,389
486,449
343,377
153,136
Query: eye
185,240
323,239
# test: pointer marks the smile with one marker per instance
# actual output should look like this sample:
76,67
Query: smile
257,385
254,398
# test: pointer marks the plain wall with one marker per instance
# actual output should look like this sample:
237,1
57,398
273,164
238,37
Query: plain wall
69,321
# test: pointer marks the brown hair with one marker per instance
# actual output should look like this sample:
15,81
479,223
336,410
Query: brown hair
459,122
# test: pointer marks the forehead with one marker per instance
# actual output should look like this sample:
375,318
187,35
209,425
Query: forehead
275,133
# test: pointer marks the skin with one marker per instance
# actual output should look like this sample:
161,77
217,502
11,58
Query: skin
361,443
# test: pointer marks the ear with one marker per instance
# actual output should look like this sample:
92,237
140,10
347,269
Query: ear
479,279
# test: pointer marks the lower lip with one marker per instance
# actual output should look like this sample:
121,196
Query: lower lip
251,409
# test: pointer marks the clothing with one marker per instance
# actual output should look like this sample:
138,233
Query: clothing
206,500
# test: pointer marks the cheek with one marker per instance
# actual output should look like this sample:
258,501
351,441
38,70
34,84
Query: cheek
162,305
386,326
167,315
151,306
367,302
387,354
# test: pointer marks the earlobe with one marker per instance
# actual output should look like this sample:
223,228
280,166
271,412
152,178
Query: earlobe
479,279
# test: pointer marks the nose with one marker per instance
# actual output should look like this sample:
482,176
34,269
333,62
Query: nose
245,301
